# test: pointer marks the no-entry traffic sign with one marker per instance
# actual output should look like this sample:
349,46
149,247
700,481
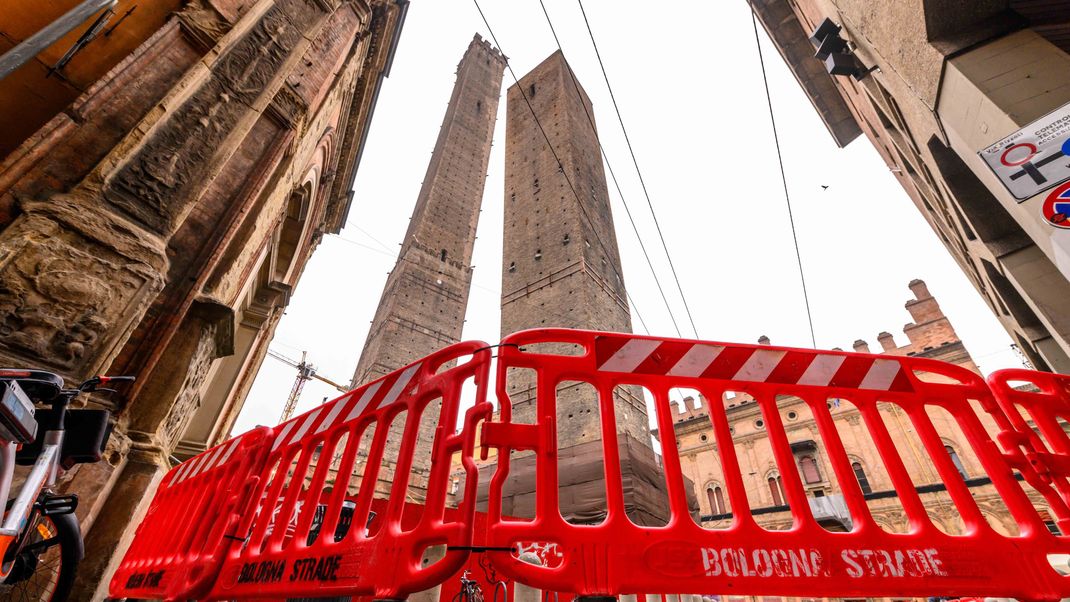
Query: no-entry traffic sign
1034,158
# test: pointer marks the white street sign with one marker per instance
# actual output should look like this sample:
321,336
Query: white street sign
1034,158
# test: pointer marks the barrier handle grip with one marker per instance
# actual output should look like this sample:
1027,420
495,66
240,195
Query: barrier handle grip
508,435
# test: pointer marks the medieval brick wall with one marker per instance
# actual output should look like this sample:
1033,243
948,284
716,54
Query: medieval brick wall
157,225
561,266
426,294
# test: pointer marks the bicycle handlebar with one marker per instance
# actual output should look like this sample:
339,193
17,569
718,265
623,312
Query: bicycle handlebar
91,384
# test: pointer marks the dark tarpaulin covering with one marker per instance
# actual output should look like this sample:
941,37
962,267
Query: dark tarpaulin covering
582,491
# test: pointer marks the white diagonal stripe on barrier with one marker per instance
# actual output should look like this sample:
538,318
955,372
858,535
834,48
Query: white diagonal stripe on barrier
181,474
759,365
399,386
282,436
206,458
880,375
307,424
696,360
230,450
365,399
339,405
628,357
821,370
193,464
210,462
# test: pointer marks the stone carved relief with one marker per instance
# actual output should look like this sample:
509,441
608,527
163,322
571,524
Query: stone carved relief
216,340
156,186
151,187
63,294
289,107
189,397
203,22
251,65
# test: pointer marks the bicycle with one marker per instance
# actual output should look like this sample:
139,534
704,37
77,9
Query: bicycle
40,540
470,590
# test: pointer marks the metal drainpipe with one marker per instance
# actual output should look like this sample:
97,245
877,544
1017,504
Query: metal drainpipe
48,35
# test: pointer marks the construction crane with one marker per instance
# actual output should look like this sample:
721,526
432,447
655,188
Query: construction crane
305,373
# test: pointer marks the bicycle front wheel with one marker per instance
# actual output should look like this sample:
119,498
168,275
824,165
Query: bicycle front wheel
44,568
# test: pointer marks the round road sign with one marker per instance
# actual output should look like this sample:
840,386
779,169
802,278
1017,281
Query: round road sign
1020,157
1056,207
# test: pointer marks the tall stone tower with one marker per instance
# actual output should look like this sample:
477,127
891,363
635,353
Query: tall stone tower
424,300
561,268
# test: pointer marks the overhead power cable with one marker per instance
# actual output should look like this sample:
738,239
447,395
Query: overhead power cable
783,176
635,162
398,257
560,164
613,176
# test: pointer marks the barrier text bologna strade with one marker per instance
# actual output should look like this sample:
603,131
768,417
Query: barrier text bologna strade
350,499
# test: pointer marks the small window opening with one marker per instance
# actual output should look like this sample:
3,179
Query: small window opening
808,467
538,254
442,255
512,266
531,90
776,488
863,480
956,461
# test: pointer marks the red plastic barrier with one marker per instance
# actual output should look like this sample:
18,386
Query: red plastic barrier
381,557
192,520
1042,455
619,557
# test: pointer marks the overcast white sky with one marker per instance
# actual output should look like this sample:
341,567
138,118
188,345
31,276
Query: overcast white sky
689,87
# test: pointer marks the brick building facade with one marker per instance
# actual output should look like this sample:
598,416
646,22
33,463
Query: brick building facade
182,172
931,85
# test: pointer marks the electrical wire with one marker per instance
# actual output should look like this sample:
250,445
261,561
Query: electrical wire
635,162
613,176
369,235
398,257
560,165
783,176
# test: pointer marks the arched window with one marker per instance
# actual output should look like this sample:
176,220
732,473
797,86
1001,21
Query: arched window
715,497
292,230
776,488
956,461
860,474
442,255
808,468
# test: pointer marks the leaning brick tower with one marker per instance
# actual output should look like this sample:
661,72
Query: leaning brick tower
423,304
425,297
561,268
